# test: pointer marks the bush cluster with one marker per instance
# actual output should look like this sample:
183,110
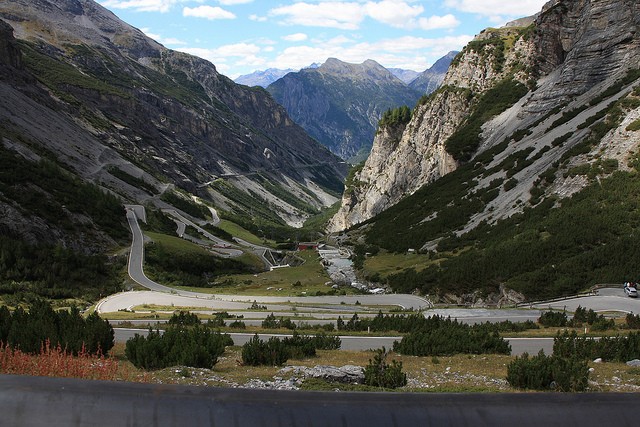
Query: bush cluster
380,374
632,321
184,318
30,331
271,322
553,319
275,352
442,336
189,268
615,349
541,372
196,346
256,352
415,322
597,322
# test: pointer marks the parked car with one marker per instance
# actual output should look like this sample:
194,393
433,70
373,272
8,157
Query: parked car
631,289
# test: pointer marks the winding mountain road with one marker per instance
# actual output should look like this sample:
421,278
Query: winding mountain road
166,296
136,257
327,308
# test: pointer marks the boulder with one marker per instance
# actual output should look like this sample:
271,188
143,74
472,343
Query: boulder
634,362
348,374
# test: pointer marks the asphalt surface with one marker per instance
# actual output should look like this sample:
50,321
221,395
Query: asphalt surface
222,247
327,308
42,401
363,343
136,257
607,299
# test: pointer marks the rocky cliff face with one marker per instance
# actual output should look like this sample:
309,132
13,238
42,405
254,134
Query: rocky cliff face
340,104
573,51
9,51
109,97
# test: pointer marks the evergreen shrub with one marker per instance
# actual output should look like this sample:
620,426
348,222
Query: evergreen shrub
381,374
197,346
541,372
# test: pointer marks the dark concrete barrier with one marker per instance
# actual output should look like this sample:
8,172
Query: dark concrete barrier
52,402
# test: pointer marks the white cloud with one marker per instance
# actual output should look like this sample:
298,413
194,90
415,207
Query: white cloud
341,15
208,12
141,5
418,52
147,32
246,52
349,15
492,8
438,22
338,40
233,2
257,18
297,37
394,13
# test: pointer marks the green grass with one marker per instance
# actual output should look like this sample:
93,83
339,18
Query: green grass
386,263
311,275
176,243
634,126
237,231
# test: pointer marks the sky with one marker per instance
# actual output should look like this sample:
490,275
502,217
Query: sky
242,36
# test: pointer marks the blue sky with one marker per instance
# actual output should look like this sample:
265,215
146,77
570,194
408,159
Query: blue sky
241,36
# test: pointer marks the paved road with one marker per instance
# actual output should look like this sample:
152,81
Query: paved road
335,304
215,219
164,295
330,307
607,299
363,343
222,245
136,257
479,315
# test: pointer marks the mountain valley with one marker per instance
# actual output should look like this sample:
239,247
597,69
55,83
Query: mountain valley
515,179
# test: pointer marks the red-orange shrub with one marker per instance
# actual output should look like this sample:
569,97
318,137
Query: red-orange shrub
57,362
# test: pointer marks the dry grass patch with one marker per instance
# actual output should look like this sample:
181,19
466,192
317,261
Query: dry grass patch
459,373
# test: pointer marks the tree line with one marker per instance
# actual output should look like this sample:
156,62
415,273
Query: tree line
32,330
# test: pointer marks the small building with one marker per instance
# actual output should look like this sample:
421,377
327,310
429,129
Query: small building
307,245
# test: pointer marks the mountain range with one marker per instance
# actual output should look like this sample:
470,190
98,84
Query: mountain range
521,171
517,178
265,77
340,104
105,106
262,78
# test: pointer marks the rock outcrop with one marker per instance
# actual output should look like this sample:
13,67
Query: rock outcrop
573,51
9,51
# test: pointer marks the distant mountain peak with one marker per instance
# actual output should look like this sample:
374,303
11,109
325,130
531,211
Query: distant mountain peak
340,103
262,78
367,70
